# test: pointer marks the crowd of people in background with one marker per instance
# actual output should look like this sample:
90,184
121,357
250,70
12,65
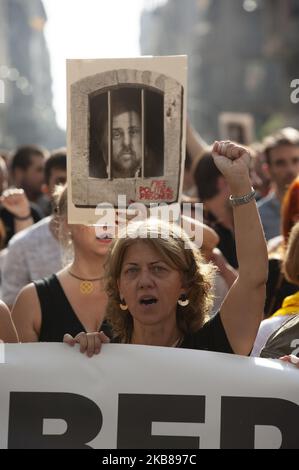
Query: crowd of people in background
64,282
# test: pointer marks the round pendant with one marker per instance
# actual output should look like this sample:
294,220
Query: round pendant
86,287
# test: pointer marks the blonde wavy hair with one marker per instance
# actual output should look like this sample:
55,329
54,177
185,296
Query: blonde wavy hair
178,252
290,265
60,224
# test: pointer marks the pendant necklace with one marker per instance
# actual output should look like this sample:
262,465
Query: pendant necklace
86,285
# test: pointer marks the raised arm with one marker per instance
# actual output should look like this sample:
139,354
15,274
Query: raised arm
8,332
242,310
16,202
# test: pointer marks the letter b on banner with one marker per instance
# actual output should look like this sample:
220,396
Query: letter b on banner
29,409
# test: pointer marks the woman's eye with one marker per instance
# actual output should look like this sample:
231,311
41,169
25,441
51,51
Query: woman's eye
159,269
132,270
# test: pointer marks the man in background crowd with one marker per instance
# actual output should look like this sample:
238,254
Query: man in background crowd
28,172
282,163
35,253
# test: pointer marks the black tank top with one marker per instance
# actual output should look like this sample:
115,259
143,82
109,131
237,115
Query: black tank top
58,316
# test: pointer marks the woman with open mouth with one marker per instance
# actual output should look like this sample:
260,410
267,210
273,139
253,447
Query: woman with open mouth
159,287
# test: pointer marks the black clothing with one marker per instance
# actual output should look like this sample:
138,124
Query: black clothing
277,288
58,316
211,337
283,341
227,244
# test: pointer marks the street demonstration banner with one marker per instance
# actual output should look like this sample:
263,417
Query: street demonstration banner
136,397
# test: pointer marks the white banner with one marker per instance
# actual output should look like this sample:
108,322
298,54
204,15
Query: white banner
136,397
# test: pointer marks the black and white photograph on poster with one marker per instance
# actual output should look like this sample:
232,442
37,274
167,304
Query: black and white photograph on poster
126,132
133,142
237,127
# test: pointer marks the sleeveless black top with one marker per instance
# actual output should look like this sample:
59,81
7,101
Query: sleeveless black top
210,337
58,316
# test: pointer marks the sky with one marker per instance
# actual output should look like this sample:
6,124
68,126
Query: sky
89,29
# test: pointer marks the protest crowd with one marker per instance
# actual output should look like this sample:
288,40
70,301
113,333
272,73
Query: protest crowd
62,282
226,282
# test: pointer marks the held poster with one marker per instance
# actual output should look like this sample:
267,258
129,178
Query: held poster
126,133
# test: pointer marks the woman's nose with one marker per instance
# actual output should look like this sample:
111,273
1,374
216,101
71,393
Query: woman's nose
145,278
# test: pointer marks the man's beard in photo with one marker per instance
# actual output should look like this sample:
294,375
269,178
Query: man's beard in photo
133,163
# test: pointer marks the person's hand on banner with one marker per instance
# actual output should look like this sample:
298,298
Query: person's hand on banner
90,343
291,359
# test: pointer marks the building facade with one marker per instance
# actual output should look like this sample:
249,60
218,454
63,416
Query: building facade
243,56
27,115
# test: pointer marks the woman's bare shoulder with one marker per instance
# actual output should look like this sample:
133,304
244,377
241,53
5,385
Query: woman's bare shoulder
7,329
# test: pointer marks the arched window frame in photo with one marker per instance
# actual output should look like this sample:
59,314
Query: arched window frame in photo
87,191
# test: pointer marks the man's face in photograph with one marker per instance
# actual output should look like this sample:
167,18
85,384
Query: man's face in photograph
126,144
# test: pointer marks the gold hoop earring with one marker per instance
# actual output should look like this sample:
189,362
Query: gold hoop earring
183,301
123,306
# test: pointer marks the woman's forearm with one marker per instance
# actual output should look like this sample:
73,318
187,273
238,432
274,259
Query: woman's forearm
22,224
250,239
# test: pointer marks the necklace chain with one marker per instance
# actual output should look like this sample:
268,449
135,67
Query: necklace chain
86,285
176,344
83,278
